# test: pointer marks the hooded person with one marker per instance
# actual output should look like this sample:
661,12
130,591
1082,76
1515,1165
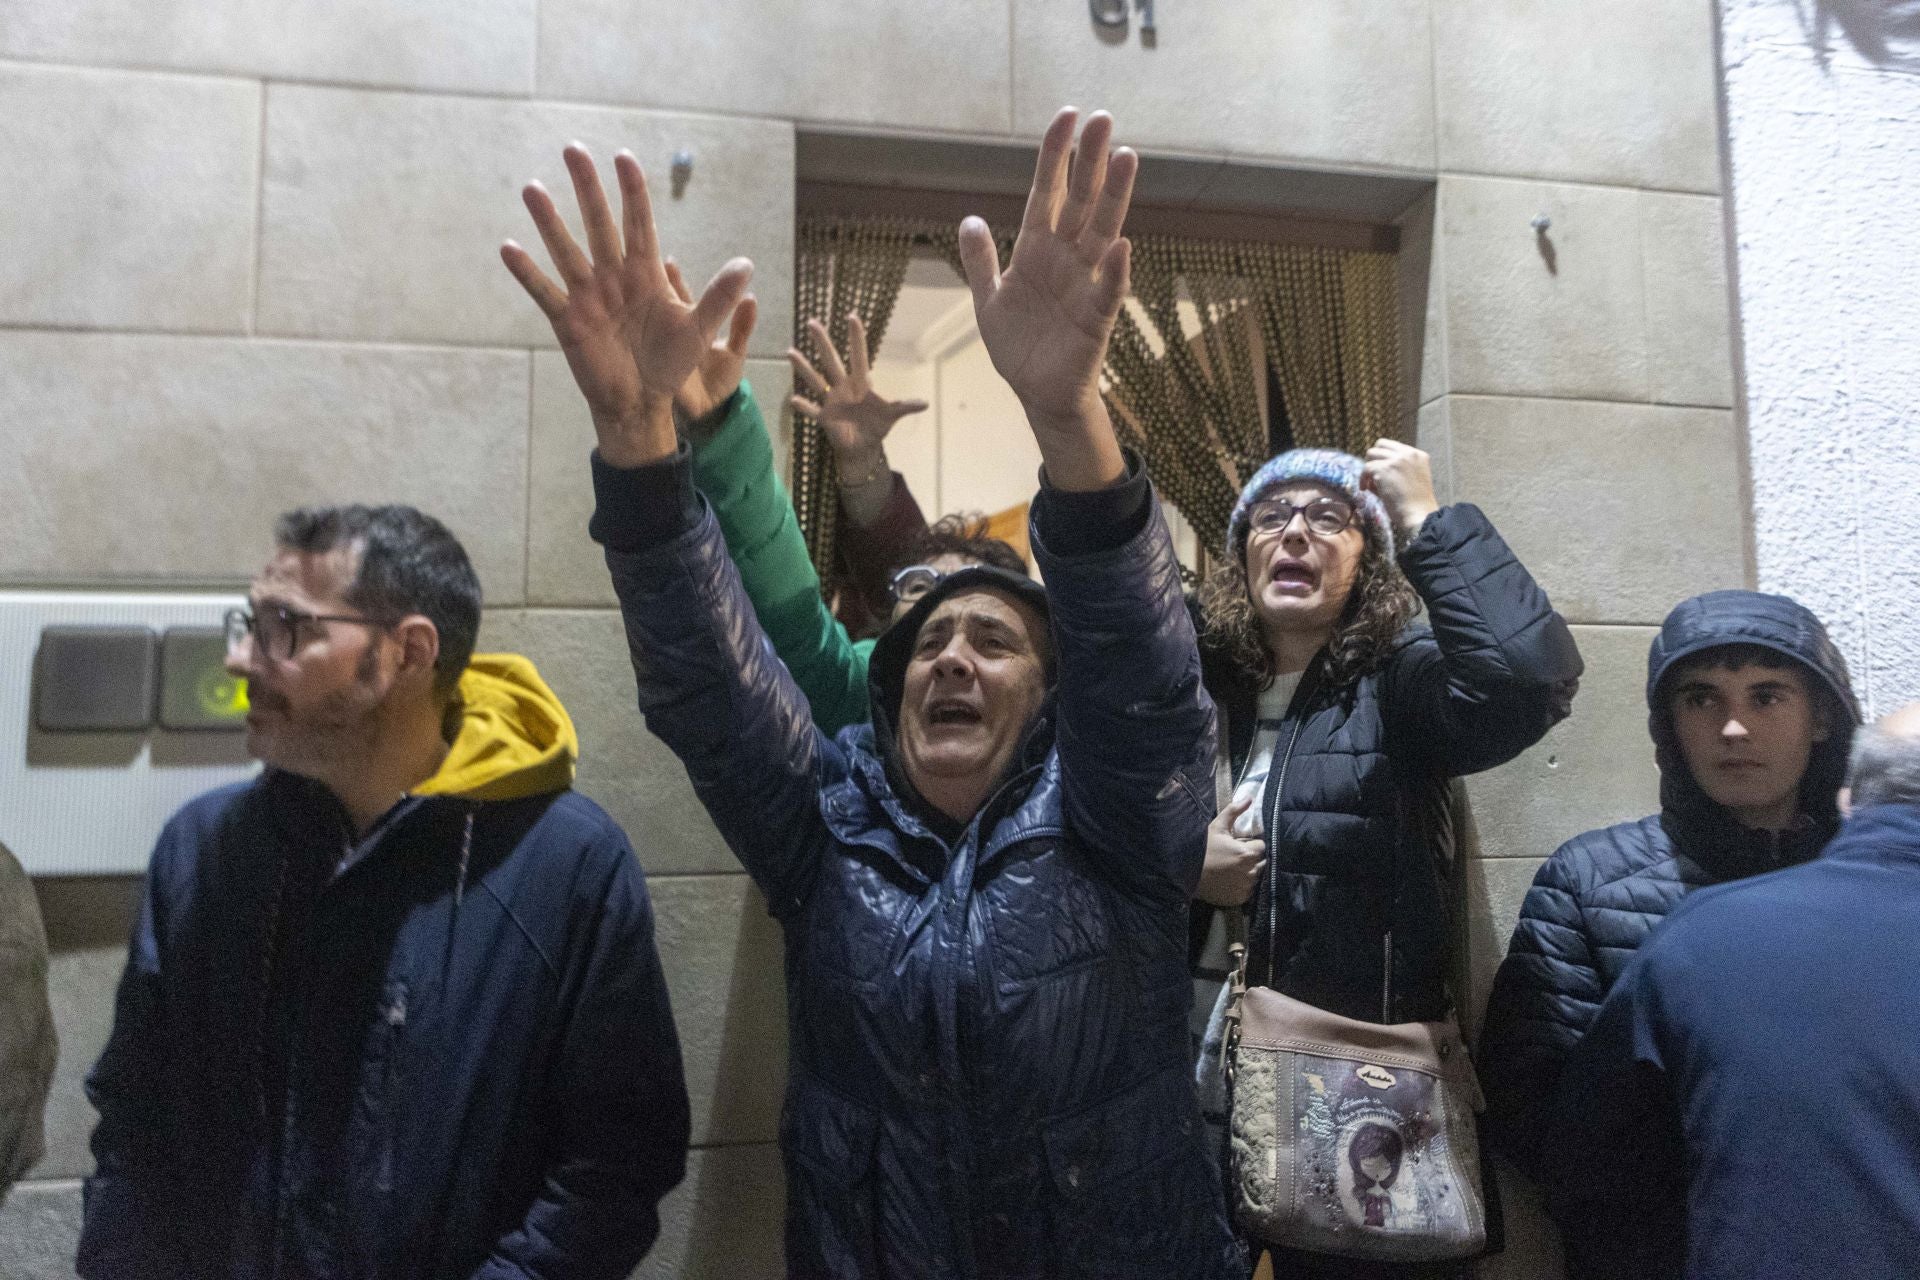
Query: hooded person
392,1007
983,890
1759,1053
1751,713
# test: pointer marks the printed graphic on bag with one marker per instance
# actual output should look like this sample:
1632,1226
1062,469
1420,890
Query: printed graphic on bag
1372,1153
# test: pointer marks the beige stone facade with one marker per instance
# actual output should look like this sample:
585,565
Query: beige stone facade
250,260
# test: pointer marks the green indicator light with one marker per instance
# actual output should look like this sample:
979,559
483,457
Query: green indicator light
196,691
222,695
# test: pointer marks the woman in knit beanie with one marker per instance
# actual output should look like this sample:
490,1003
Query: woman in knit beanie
1342,725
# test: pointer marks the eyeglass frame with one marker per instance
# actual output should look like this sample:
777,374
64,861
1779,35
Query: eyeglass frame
243,620
893,582
1254,524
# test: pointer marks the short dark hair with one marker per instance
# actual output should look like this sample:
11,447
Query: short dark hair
1732,657
1739,654
409,563
961,534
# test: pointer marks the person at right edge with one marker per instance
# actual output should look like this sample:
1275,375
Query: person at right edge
1761,1045
1751,713
1345,726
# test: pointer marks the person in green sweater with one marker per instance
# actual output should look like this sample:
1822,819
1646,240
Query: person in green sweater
733,468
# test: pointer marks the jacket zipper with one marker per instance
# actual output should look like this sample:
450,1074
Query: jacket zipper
395,1018
1386,976
1272,823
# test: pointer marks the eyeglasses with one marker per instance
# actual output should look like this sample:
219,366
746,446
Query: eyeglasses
276,628
1324,516
912,582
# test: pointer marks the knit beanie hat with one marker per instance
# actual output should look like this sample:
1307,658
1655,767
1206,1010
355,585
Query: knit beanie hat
1330,467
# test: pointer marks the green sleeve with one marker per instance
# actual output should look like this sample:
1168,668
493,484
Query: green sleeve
733,467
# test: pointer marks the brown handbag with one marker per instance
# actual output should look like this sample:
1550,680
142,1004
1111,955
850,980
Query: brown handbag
1345,1137
1351,1138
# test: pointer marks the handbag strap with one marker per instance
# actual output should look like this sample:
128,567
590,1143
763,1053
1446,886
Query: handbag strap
1222,761
1222,797
1302,698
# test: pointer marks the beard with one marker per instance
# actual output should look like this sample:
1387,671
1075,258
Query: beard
315,742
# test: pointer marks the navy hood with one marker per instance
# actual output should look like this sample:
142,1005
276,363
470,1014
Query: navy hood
887,669
1785,627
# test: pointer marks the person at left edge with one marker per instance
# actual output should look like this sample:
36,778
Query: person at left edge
28,1044
392,1009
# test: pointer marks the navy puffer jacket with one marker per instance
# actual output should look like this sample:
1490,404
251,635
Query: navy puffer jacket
1598,897
988,1028
1356,809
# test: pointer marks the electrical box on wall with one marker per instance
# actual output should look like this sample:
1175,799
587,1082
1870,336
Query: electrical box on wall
115,709
93,679
196,693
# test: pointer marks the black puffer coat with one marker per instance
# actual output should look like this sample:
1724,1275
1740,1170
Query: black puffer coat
987,1026
1598,897
1356,807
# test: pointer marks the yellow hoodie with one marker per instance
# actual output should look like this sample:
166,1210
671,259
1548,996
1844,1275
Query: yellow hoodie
515,739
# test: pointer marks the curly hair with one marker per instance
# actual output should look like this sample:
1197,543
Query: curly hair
1379,606
961,534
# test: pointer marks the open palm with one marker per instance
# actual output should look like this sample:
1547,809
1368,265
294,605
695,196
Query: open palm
1046,319
855,417
724,364
630,338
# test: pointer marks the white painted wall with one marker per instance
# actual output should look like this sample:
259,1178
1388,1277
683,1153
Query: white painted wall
913,446
1823,133
972,450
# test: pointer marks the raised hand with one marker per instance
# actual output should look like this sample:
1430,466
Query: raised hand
725,363
1046,319
630,339
855,417
1403,477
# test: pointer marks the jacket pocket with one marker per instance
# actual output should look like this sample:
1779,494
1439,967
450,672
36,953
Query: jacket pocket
1132,1190
830,1144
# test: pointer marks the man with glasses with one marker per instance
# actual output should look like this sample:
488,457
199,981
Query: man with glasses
393,1007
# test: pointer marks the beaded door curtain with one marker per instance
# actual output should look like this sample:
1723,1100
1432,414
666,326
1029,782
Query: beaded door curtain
1207,321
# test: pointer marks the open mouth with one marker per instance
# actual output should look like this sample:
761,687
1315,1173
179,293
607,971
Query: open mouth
1293,575
949,712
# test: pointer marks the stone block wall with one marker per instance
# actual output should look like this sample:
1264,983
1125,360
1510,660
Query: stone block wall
251,262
